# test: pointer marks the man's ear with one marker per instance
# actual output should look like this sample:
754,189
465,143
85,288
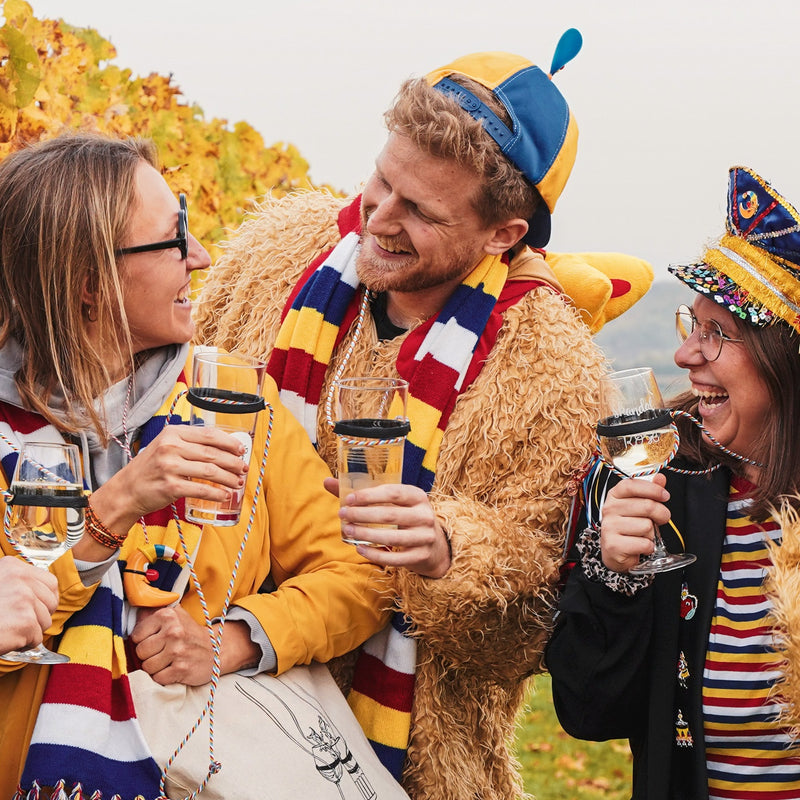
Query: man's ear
504,236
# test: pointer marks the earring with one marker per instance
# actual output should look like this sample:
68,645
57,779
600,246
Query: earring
90,310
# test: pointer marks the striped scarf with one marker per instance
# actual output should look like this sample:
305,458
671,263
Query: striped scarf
439,359
86,741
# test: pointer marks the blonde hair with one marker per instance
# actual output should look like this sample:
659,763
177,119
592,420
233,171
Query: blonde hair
440,127
64,209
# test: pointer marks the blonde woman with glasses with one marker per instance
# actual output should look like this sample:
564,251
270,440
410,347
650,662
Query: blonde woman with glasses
95,319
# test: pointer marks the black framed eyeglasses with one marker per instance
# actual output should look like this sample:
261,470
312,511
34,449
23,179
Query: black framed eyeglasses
181,241
711,336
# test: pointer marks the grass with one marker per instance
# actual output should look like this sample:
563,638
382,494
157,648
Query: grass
557,767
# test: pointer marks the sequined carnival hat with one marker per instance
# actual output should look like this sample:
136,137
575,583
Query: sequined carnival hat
754,269
542,142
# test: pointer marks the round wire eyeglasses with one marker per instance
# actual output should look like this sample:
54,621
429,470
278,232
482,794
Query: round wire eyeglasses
710,334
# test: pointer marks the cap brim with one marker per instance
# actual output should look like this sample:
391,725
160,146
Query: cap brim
717,286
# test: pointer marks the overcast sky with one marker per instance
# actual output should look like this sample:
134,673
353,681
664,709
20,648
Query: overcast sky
667,95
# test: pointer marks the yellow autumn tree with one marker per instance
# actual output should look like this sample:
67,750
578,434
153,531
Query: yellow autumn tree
55,77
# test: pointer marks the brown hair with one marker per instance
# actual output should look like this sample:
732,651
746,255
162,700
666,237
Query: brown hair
774,350
440,127
64,208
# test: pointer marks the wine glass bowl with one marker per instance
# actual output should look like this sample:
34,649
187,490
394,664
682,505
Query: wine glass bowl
637,436
44,515
640,447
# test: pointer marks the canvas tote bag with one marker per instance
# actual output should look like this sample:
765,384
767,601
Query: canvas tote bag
276,737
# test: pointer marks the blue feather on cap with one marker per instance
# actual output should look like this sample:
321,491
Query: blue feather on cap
569,45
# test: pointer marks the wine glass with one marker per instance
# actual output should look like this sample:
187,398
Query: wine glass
44,516
637,435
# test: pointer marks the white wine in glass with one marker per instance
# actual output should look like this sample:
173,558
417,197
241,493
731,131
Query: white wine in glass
637,435
45,516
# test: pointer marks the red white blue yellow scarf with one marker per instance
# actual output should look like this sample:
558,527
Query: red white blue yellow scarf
86,741
439,359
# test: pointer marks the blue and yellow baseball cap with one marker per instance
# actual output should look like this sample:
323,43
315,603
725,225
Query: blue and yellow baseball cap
543,140
754,269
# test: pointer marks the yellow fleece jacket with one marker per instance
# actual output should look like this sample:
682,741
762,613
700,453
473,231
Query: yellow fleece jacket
328,599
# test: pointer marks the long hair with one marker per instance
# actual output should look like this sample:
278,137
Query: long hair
64,208
774,351
439,126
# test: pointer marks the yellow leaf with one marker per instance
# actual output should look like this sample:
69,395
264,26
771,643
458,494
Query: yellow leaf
595,783
576,764
23,65
538,747
620,746
16,12
8,122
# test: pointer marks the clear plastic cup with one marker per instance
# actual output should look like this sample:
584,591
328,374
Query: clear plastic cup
370,424
225,394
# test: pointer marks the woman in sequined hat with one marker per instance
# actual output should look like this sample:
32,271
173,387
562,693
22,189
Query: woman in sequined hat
686,664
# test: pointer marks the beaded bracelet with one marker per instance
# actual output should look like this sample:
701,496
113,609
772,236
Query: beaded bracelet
100,533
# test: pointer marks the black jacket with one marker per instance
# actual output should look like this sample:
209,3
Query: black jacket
614,659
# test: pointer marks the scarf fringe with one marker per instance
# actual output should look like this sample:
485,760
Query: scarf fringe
60,793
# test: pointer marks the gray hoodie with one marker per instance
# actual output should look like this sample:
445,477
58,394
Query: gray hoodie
153,382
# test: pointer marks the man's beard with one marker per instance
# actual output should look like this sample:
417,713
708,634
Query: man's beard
411,276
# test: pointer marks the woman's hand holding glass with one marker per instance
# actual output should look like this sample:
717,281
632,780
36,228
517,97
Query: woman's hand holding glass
28,598
630,511
637,437
163,473
44,518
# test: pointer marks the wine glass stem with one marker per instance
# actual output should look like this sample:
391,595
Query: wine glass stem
659,550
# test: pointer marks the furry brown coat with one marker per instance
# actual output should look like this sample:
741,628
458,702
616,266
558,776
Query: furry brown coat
783,587
517,436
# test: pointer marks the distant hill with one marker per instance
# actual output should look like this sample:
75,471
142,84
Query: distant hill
644,336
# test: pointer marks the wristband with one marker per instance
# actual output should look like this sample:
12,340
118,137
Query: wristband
99,532
596,571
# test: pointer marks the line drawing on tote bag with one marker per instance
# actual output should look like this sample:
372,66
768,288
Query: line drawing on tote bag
325,745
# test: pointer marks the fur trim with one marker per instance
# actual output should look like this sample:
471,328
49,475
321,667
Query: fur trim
235,301
783,589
